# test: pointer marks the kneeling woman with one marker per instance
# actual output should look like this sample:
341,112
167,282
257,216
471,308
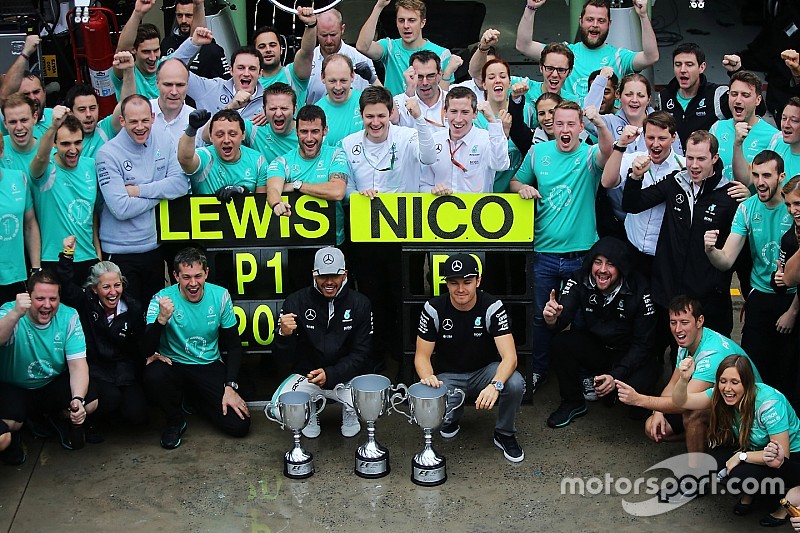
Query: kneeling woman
745,417
113,323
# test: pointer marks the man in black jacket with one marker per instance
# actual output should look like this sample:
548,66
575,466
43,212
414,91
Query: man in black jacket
614,337
697,200
211,62
326,331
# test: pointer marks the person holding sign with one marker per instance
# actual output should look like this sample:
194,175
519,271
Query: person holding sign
227,168
614,339
474,154
475,352
313,168
326,331
186,323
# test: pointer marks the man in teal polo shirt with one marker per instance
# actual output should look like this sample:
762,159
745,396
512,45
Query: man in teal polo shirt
395,54
226,168
186,324
340,102
762,220
313,168
278,135
562,176
786,143
19,115
64,188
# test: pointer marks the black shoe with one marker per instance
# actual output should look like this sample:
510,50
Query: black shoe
449,431
171,437
39,426
70,436
94,435
771,521
565,413
537,380
14,455
742,509
510,447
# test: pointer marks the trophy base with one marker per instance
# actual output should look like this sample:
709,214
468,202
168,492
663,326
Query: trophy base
372,468
429,476
299,470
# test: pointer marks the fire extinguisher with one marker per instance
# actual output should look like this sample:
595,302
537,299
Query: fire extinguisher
94,53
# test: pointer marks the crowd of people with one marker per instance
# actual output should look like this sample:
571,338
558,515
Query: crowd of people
645,204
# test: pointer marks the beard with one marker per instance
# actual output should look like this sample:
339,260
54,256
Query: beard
601,40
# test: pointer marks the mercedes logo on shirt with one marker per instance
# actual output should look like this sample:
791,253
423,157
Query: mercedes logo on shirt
311,314
447,325
127,165
457,266
328,259
356,149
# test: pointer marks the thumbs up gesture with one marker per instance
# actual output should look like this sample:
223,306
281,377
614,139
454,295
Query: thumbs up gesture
552,309
779,274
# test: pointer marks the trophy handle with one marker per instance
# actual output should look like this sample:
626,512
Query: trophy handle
315,400
337,389
398,398
454,392
270,407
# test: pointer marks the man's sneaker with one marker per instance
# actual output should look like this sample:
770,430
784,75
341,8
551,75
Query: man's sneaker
565,413
350,424
312,430
537,380
171,436
449,431
510,447
14,455
70,436
589,392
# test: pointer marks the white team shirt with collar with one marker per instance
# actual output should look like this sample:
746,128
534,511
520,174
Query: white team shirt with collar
433,115
316,89
643,228
367,161
481,152
176,126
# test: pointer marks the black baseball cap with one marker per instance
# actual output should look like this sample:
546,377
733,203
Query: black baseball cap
460,266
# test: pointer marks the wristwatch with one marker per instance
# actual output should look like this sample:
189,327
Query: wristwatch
619,148
497,385
297,184
233,385
743,457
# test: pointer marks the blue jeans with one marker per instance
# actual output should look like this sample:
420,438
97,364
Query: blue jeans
472,383
549,271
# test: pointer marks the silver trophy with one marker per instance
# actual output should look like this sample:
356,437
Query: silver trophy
427,406
295,410
370,400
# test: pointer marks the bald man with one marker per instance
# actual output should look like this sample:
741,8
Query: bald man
329,36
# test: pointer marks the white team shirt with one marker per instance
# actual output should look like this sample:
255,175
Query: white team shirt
480,153
176,126
433,115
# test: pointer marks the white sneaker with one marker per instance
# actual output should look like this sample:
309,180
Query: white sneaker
312,430
350,424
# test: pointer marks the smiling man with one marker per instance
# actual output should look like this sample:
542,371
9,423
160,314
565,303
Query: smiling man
786,143
761,221
19,114
475,352
422,84
615,337
325,330
341,100
187,325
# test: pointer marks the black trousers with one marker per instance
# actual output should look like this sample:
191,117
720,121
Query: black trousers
576,349
8,293
204,384
789,472
144,273
18,404
774,354
125,404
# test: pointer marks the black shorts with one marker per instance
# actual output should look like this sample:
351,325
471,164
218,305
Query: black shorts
675,420
17,403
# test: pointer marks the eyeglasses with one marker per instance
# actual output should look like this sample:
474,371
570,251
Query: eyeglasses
549,69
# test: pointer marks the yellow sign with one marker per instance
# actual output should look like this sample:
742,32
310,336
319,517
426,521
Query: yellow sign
50,66
419,217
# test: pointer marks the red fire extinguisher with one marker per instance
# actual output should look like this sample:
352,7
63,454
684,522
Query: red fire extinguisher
94,54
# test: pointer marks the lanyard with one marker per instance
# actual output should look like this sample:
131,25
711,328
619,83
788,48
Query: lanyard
453,154
433,122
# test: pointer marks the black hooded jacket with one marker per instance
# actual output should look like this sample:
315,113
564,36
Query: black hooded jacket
341,345
681,265
624,324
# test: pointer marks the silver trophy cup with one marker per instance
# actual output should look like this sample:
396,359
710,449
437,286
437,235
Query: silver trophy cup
371,395
295,410
428,408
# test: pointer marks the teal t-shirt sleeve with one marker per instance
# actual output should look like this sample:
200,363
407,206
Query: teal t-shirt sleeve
594,168
28,193
772,415
709,392
713,130
228,317
626,60
525,172
152,310
278,169
339,163
249,134
739,225
75,347
205,159
385,44
261,180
